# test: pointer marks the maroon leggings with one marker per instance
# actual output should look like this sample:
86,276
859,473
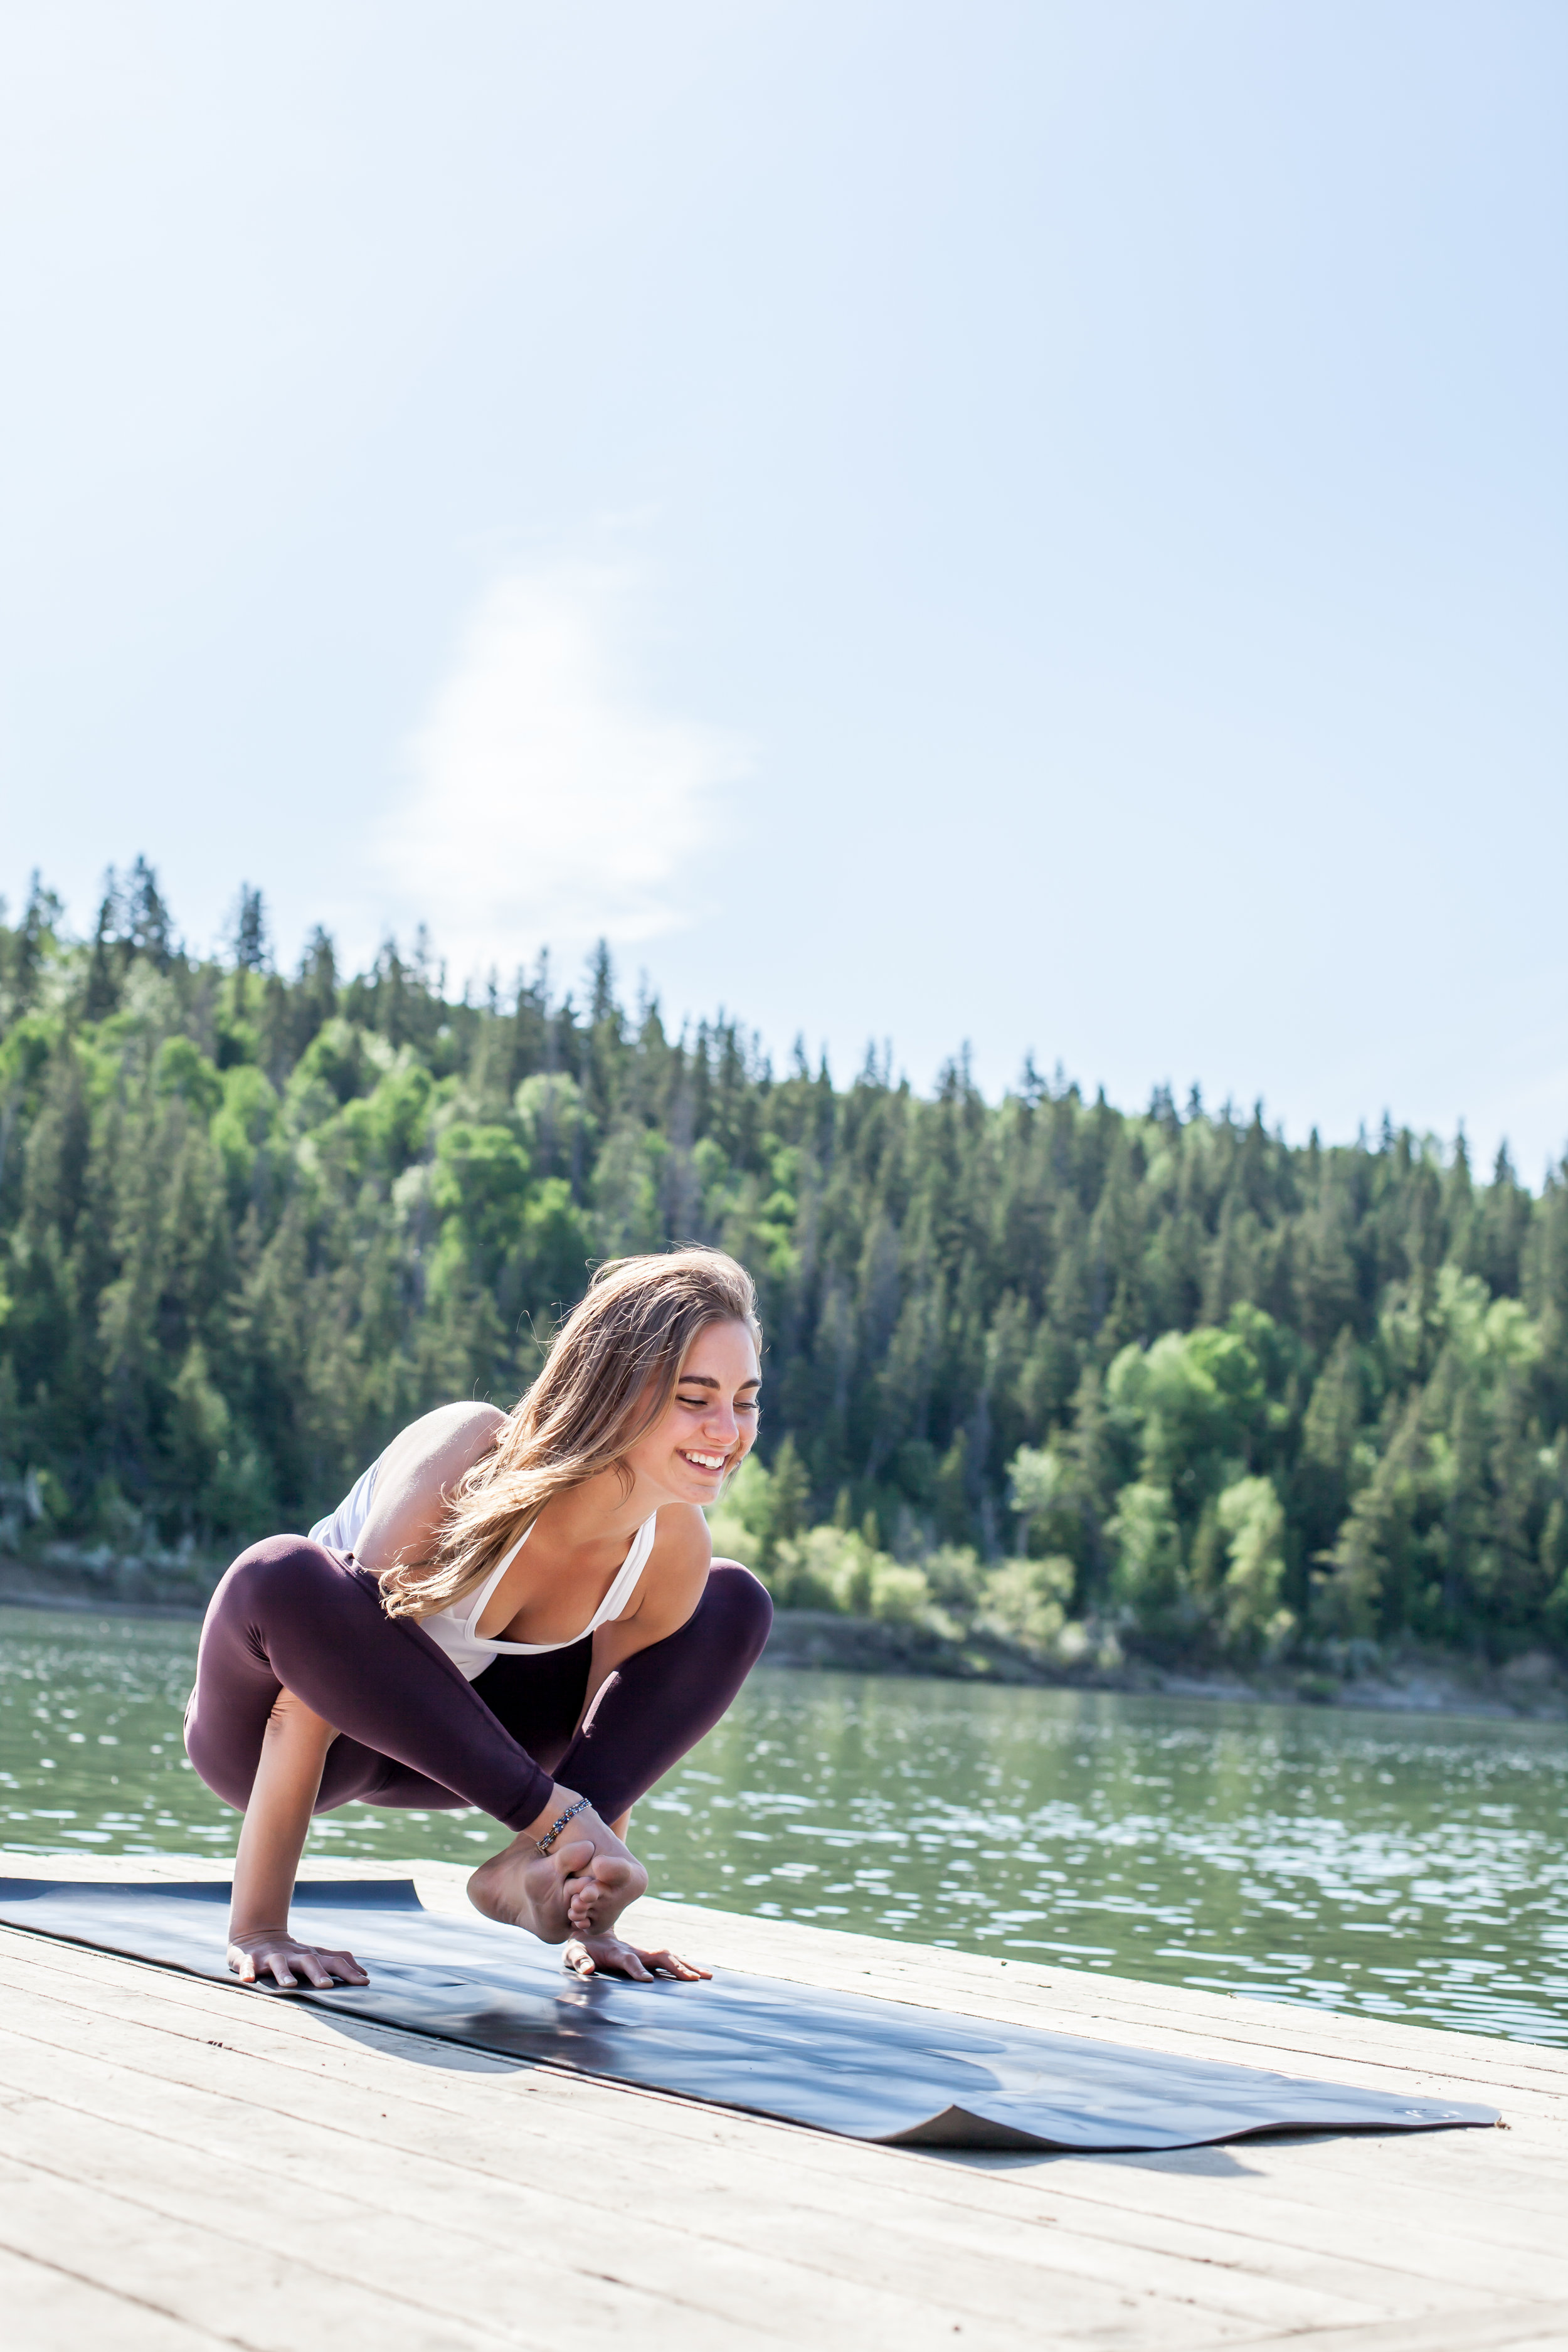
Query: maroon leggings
412,1732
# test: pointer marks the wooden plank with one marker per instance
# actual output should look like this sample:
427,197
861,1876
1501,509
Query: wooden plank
1108,2257
734,2228
255,2012
674,2226
211,2281
52,2309
268,2204
1420,2160
1499,2330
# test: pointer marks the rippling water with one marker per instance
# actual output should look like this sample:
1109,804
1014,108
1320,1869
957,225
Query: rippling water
1412,1868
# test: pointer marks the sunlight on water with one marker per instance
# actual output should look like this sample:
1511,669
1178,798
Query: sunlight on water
1410,1868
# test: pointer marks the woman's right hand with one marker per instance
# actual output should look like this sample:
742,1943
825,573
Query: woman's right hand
273,1951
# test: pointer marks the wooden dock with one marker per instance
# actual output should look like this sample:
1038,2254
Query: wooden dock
184,2165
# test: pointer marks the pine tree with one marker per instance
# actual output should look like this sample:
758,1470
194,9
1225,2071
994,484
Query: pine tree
254,1224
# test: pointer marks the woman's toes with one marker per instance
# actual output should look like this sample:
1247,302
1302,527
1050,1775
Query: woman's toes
614,1882
621,1879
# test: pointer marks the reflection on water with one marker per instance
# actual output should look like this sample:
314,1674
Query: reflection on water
1416,1869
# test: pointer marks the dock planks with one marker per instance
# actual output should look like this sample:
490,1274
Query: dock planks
183,2166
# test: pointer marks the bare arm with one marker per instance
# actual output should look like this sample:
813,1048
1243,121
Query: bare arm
412,1481
271,1840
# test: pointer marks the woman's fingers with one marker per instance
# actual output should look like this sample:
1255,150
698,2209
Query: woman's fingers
342,1964
585,1957
609,1956
671,1964
323,1967
284,1962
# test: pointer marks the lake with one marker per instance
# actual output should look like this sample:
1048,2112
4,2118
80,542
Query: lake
1409,1867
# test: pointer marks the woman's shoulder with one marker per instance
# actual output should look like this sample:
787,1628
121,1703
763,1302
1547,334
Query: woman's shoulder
680,1537
455,1435
674,1573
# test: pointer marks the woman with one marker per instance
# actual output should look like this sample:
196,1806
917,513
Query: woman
517,1612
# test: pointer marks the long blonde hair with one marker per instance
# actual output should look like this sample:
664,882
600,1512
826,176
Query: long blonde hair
610,1374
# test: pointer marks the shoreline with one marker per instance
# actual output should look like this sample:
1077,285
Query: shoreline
1531,1688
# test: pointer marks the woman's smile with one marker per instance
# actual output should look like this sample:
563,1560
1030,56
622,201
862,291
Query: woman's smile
715,1399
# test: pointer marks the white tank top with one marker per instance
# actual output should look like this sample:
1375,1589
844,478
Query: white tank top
453,1627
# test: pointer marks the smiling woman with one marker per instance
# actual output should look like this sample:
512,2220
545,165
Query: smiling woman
518,1612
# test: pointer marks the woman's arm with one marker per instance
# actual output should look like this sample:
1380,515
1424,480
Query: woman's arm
413,1480
271,1840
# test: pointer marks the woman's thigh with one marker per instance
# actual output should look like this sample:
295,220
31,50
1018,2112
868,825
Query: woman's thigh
290,1615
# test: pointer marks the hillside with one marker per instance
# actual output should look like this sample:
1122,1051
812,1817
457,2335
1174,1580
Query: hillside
1080,1375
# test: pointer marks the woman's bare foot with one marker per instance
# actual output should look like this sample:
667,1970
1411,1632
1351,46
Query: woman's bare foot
524,1888
607,1956
601,1888
579,1888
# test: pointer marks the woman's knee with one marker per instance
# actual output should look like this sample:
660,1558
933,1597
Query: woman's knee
740,1607
224,1753
282,1576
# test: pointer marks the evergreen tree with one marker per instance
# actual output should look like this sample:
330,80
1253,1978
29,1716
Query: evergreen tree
1219,1391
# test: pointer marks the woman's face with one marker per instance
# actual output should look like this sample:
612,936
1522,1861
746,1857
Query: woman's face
709,1423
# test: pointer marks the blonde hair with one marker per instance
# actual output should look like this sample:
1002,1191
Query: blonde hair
610,1374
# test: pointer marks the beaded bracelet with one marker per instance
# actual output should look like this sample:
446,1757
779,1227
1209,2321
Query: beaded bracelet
553,1832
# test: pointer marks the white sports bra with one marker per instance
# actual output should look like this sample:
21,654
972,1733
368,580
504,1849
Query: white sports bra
453,1627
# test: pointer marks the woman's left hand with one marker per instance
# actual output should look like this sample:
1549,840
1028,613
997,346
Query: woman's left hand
607,1956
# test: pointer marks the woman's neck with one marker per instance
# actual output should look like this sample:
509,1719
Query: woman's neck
599,1511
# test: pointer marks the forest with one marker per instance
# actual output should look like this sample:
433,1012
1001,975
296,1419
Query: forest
1091,1379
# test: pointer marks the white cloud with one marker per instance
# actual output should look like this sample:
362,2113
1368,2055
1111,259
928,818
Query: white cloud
548,806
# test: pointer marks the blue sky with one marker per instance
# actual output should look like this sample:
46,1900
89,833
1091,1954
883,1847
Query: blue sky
1041,525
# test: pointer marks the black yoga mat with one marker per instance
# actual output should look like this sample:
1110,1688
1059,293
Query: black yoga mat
874,2070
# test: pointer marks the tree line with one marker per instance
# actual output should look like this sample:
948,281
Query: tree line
1080,1374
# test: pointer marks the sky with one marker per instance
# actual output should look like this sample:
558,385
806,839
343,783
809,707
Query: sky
1034,526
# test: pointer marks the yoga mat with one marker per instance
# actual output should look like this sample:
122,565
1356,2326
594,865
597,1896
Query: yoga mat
848,2062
